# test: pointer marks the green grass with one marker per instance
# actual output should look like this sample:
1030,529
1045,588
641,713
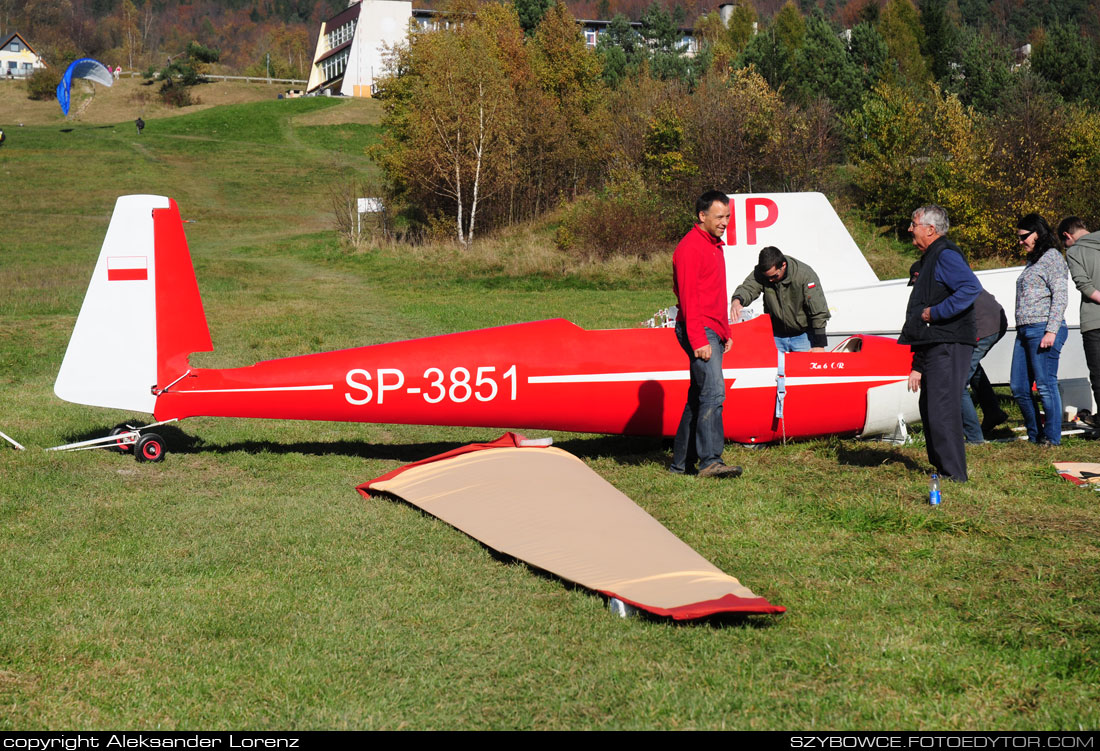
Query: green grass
244,583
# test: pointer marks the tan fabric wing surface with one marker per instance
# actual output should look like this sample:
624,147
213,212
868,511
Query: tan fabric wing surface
546,507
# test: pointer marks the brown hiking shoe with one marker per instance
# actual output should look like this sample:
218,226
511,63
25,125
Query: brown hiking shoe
719,470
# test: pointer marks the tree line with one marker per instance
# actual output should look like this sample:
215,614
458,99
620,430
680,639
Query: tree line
507,115
253,36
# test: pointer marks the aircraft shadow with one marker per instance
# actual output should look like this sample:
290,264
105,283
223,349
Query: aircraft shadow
869,456
626,450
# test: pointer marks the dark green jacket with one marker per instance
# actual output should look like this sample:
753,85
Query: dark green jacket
1083,258
796,303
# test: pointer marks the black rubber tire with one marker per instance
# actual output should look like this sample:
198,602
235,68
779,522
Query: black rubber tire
122,448
149,448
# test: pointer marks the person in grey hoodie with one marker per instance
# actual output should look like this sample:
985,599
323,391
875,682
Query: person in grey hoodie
1083,258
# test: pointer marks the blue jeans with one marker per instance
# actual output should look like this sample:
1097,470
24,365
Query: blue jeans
1029,363
701,433
972,428
800,343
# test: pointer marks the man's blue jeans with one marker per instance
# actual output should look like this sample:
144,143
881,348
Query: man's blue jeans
701,433
972,427
1029,363
800,343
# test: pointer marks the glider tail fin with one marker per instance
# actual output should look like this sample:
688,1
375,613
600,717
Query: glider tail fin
804,225
142,316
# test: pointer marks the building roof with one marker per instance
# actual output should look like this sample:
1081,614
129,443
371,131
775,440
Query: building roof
335,50
21,39
341,18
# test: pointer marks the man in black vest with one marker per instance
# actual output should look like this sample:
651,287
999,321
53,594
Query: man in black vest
940,327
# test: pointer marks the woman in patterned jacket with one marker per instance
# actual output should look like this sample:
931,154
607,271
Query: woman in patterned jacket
1041,297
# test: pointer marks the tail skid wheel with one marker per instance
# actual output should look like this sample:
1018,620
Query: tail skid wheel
120,446
149,448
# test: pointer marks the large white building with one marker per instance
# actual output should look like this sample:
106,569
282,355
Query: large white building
348,59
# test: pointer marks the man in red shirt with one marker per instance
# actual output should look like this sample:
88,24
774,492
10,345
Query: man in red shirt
702,328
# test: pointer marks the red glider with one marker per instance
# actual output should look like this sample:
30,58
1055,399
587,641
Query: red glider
550,375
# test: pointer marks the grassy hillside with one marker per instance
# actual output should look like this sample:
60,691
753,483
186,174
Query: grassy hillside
244,583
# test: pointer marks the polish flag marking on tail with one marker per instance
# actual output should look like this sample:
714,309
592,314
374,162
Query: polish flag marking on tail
127,268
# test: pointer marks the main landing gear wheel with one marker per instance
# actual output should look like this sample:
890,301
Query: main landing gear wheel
149,448
119,446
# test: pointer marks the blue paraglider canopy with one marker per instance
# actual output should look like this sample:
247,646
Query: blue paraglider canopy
85,67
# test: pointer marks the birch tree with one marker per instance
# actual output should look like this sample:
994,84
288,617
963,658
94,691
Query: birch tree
453,122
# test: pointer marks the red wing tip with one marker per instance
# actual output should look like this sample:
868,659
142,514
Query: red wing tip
726,604
1072,478
508,440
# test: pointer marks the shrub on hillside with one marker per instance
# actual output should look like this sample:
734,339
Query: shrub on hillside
176,95
42,83
626,218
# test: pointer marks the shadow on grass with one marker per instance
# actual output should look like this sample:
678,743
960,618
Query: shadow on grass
179,442
870,456
719,620
88,127
626,450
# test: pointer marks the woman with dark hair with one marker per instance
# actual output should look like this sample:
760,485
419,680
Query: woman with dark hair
1041,297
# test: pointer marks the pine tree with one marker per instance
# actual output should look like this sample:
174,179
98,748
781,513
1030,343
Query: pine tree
768,57
983,75
899,25
789,27
1067,60
621,51
824,69
664,39
867,51
530,12
940,43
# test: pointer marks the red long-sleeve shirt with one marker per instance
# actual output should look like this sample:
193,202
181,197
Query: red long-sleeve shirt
699,280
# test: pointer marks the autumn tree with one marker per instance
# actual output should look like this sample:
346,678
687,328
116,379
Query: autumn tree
130,26
568,75
742,25
453,122
710,32
889,152
1027,134
1079,165
664,160
733,125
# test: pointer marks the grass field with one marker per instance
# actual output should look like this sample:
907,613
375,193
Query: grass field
243,583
